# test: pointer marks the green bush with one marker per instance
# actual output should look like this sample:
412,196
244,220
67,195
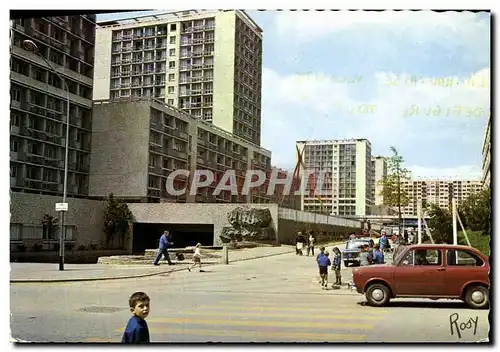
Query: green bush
477,240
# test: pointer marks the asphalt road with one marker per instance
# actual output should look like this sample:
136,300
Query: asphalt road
274,299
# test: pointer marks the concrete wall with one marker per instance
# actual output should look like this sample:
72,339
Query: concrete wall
287,231
224,65
120,149
215,214
102,63
86,215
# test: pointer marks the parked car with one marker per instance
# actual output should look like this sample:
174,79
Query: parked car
428,271
351,251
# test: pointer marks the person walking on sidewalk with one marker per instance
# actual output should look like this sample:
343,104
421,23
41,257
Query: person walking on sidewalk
196,257
163,250
336,266
323,264
310,244
299,242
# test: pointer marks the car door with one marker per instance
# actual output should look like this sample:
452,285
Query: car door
462,267
414,276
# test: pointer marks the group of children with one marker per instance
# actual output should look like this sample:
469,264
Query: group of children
323,264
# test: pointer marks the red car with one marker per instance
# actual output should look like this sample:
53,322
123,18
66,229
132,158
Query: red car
428,271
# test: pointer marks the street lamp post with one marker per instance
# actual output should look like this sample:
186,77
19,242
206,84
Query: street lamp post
32,47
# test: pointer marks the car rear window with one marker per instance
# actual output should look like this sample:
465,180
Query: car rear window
355,244
462,258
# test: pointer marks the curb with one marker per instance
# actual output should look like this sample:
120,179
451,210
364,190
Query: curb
27,281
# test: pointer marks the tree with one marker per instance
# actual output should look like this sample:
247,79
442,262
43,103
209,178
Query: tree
392,191
441,223
475,211
49,224
117,220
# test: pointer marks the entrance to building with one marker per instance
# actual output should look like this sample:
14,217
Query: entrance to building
147,236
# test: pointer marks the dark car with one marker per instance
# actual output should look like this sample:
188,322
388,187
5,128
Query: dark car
351,251
428,271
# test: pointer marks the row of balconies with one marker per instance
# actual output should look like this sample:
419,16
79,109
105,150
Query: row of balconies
198,28
195,79
195,67
196,54
197,41
49,161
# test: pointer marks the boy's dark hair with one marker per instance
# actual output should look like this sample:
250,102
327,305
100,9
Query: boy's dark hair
137,297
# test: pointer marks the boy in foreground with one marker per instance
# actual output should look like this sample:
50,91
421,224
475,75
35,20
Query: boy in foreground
137,330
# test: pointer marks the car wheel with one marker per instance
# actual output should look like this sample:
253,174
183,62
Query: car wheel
346,264
378,295
477,297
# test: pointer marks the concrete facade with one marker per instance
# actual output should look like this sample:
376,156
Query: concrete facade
85,219
38,103
347,184
286,222
137,143
379,171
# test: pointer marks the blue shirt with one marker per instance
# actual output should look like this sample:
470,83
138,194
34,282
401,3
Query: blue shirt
323,260
136,331
378,257
163,241
382,242
337,260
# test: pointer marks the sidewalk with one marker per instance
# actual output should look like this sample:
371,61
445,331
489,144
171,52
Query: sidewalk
43,272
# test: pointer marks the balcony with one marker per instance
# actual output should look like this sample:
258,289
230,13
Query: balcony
196,79
197,53
207,78
207,104
208,53
186,42
154,193
208,65
185,68
34,184
185,55
180,134
185,80
210,27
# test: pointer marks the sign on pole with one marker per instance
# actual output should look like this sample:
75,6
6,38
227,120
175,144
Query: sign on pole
61,206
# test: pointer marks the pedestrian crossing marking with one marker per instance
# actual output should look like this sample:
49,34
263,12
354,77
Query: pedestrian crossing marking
281,315
260,323
293,336
262,335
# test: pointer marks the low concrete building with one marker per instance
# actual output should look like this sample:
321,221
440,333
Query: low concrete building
137,143
189,223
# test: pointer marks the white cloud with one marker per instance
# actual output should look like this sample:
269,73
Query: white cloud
309,26
464,172
299,107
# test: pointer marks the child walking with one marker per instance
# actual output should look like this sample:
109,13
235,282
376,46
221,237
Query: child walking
323,264
336,266
137,330
196,256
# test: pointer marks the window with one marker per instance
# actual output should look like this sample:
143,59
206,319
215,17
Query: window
171,52
15,94
462,258
172,40
173,27
422,257
171,90
13,170
15,119
171,77
171,64
170,102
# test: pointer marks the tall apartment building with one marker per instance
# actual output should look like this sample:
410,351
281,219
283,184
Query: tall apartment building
379,171
137,143
206,63
440,192
486,165
348,181
38,103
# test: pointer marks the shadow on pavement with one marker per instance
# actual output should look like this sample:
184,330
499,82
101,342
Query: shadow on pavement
435,304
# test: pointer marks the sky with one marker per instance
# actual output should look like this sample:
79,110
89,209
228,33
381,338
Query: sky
419,81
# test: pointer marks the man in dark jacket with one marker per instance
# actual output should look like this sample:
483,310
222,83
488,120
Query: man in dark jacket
163,250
